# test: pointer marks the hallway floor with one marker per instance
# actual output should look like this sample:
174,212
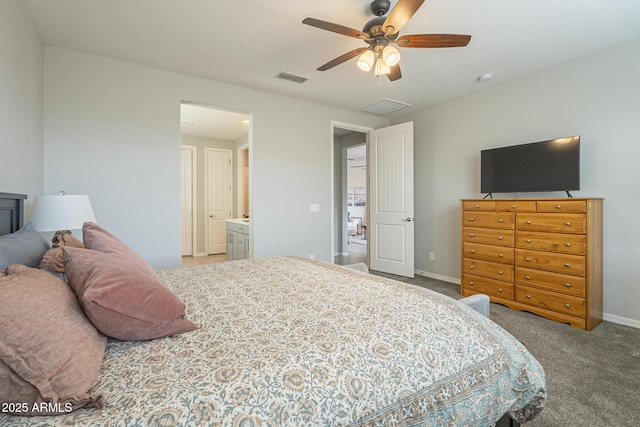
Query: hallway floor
357,253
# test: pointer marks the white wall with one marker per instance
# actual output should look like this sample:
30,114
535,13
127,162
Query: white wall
598,98
112,130
21,98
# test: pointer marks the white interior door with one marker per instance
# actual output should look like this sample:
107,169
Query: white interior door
187,157
219,198
390,198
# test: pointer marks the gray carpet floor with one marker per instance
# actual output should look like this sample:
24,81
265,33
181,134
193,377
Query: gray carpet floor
593,378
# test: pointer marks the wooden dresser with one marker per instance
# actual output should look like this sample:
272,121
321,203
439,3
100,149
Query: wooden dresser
538,255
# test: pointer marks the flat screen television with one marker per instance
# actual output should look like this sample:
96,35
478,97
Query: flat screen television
552,165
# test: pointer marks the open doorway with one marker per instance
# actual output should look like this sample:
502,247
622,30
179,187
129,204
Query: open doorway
207,133
350,216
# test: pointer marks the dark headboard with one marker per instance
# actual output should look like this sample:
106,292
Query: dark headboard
11,212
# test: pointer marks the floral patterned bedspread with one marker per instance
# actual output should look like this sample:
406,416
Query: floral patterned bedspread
286,341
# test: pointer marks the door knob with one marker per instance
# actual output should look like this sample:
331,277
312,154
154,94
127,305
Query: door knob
408,219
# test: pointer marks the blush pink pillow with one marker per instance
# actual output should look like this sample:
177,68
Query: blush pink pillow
99,239
121,298
49,351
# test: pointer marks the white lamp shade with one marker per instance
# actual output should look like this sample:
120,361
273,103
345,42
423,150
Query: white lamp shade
390,56
366,60
381,68
61,212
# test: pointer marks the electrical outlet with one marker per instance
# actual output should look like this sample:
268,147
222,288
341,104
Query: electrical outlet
432,256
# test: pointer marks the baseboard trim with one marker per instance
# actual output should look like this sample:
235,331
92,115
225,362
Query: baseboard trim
438,277
621,320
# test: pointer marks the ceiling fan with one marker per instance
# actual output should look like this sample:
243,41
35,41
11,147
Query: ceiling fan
381,34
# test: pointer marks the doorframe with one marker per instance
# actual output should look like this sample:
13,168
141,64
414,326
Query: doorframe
240,208
356,128
194,198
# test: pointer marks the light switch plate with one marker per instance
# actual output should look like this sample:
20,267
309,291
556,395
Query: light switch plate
314,207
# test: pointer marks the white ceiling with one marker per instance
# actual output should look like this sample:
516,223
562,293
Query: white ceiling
208,122
248,42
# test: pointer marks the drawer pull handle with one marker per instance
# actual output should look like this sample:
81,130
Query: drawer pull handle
566,264
500,272
472,283
527,277
528,296
500,255
558,206
472,235
477,206
567,305
472,267
472,219
527,259
513,206
499,237
499,289
568,244
568,285
501,220
528,240
568,224
528,222
472,251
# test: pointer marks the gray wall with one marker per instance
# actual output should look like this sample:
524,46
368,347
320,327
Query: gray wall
21,100
123,121
596,97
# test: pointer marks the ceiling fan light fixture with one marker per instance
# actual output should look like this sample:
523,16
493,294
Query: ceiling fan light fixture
366,60
390,55
381,68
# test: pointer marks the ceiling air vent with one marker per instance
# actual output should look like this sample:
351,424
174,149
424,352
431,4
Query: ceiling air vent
291,77
385,106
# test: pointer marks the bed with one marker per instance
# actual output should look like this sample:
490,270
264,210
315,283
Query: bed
286,341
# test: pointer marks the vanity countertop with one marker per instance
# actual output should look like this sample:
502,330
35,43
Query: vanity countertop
239,220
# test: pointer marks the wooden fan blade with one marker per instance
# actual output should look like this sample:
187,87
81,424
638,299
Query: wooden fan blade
400,15
340,59
395,73
433,40
330,26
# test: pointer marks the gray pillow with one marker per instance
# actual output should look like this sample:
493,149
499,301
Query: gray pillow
26,246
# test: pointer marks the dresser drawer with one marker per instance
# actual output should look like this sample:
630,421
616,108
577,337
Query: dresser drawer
488,252
563,283
553,301
516,205
488,269
552,242
559,263
491,287
478,205
558,223
562,205
488,219
488,236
